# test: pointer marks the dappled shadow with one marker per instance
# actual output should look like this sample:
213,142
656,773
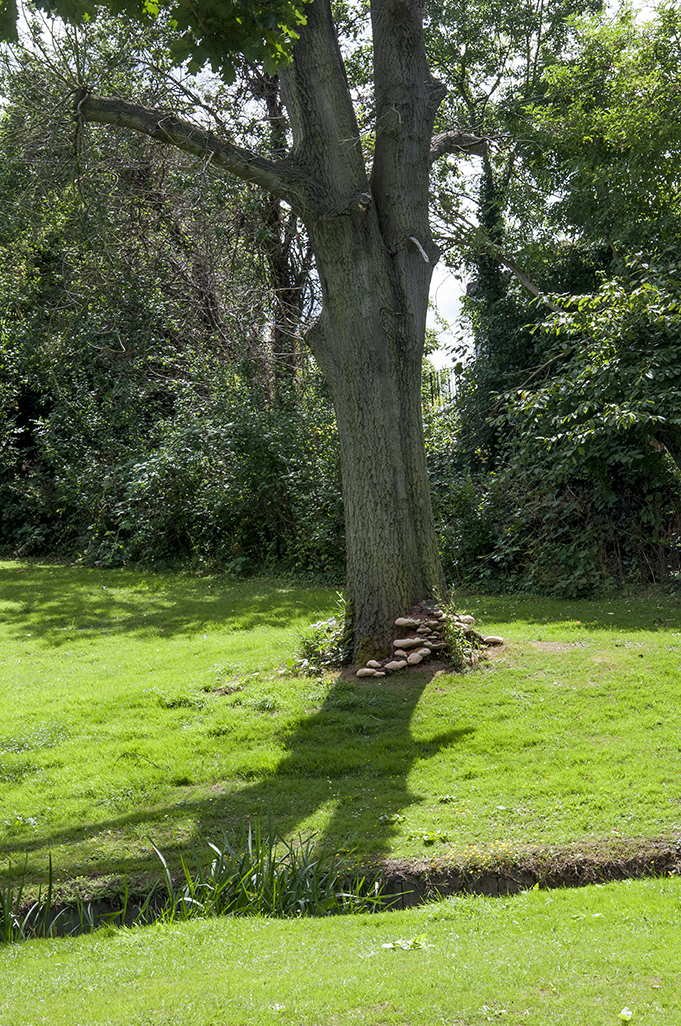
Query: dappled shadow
362,732
643,612
48,600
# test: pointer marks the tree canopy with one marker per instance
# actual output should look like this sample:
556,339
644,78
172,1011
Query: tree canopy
368,229
213,32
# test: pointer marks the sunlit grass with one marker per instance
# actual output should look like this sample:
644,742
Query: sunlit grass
560,958
136,705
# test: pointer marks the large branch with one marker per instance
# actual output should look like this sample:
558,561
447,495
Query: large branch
455,141
283,178
506,261
326,138
494,251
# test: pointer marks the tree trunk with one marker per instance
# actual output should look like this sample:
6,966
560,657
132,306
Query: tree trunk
369,346
375,256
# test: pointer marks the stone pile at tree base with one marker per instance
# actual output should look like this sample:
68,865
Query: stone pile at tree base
421,635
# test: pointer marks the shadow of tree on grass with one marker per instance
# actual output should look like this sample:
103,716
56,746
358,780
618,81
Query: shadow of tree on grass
51,599
334,757
362,733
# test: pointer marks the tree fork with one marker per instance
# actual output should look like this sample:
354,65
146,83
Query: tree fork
375,257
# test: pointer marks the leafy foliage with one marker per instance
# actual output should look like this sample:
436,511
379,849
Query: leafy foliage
215,34
326,644
228,480
143,414
588,486
609,125
142,417
558,468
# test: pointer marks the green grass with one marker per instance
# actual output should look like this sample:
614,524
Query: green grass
136,705
559,958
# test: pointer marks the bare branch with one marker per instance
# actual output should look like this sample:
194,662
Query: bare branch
535,371
496,253
283,178
455,141
196,100
524,280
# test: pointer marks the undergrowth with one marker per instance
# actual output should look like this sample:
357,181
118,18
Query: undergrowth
325,645
255,872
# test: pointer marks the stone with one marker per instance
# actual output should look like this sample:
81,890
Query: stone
407,642
414,658
406,621
396,664
374,663
366,671
493,639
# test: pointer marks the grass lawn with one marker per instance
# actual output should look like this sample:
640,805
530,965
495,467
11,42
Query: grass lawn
137,705
544,958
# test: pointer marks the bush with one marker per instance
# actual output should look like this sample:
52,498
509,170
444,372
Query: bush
587,485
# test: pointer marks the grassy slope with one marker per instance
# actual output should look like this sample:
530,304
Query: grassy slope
560,958
118,721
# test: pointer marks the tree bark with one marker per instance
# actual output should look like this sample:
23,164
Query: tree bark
375,256
369,344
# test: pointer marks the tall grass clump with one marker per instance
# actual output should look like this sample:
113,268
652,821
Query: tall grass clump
20,920
257,872
261,873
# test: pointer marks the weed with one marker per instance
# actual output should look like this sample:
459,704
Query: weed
325,645
255,872
14,773
45,735
20,923
267,703
259,872
464,647
180,702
